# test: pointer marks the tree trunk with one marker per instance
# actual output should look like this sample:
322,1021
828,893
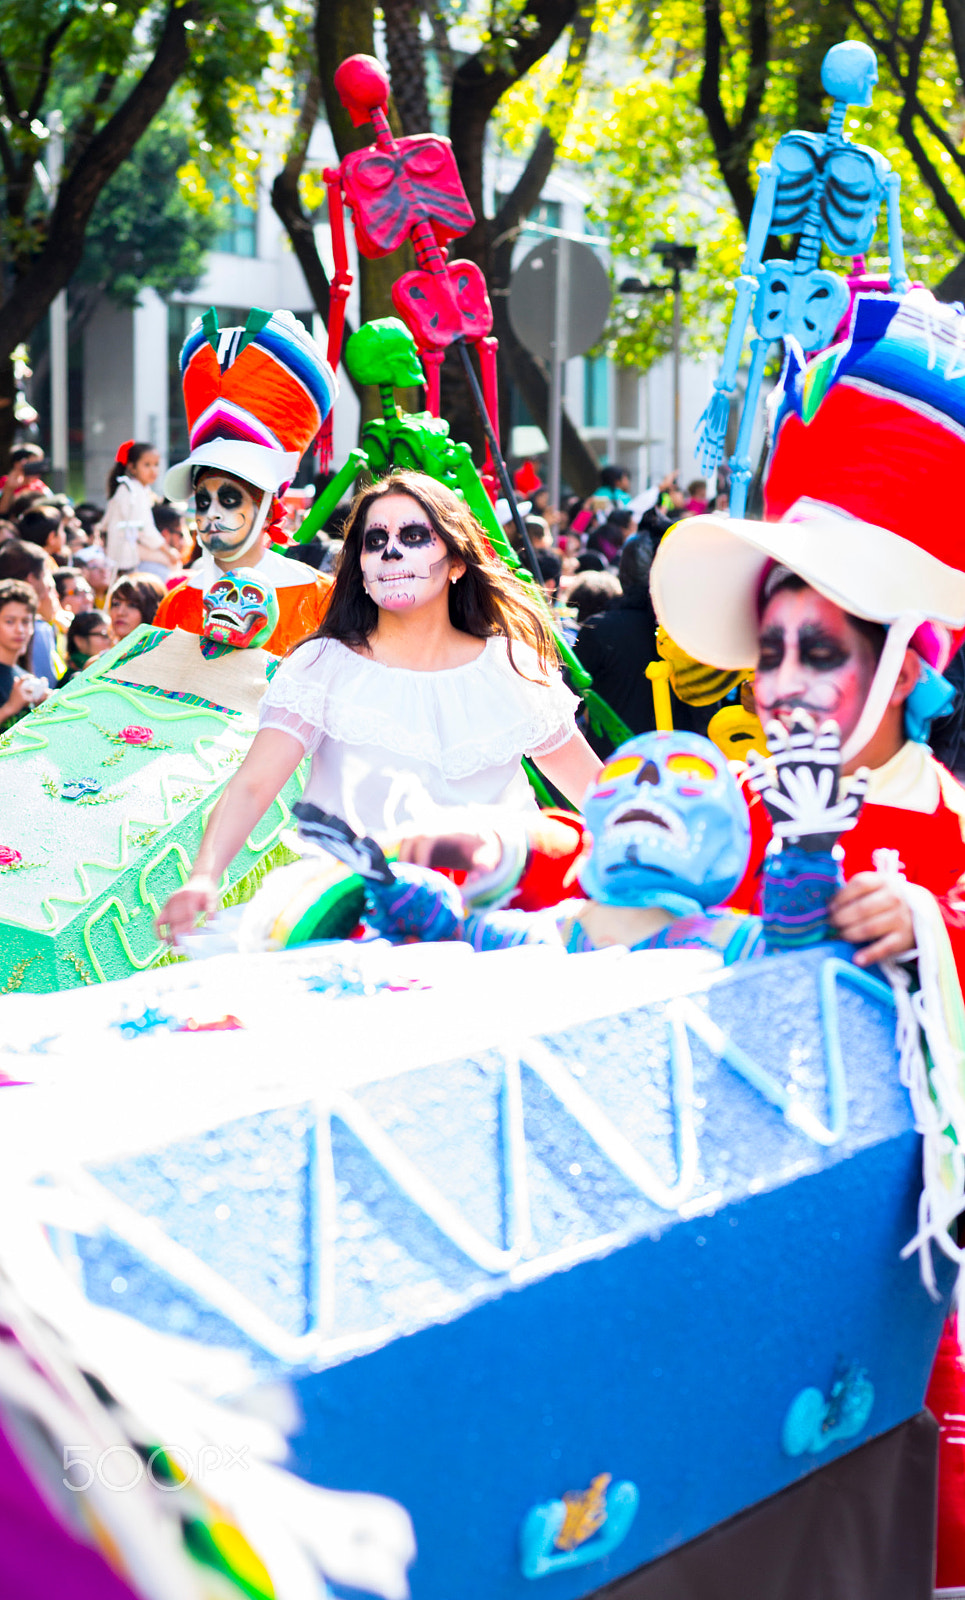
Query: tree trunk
734,142
287,205
407,68
344,28
829,24
8,425
951,289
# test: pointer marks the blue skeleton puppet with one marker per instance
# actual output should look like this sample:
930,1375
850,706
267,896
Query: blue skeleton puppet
824,189
671,838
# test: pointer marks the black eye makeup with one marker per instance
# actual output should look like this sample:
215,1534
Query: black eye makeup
821,650
412,536
817,650
229,497
770,650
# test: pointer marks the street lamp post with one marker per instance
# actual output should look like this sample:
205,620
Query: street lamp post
677,258
58,329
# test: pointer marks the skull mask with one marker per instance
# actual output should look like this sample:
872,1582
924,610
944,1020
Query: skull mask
670,826
240,612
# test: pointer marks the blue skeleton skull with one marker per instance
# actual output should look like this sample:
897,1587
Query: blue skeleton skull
849,72
670,826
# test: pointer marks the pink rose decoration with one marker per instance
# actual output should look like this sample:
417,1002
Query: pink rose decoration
9,857
135,735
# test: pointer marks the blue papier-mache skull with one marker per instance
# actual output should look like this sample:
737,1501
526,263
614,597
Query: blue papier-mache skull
670,826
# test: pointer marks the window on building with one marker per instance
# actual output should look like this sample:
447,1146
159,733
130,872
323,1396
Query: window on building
596,392
545,213
238,235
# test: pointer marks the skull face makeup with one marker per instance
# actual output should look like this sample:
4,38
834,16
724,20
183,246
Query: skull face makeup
240,613
670,826
811,659
405,564
228,520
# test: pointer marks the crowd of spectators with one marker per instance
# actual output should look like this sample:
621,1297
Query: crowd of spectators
76,580
594,556
63,597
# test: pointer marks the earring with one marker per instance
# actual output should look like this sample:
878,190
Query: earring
454,578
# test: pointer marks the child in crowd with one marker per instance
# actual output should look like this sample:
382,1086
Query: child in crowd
73,590
19,690
130,535
31,565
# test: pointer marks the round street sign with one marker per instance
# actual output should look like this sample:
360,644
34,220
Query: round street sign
586,295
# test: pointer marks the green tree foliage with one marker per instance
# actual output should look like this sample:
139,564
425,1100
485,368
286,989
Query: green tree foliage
145,231
109,68
677,139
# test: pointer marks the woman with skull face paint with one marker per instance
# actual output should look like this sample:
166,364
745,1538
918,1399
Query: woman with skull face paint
433,674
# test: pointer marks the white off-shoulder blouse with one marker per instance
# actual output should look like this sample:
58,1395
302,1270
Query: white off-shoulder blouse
392,747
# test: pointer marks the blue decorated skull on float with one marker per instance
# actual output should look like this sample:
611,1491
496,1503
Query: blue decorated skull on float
669,825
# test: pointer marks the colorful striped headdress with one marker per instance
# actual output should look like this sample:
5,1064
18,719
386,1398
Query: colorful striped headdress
255,399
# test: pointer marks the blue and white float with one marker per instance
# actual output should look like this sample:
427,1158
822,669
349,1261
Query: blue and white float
573,1256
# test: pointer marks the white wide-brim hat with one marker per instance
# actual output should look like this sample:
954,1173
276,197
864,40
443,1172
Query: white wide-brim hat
256,464
706,578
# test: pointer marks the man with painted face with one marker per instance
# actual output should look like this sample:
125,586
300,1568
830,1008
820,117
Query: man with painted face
847,603
255,398
232,533
849,606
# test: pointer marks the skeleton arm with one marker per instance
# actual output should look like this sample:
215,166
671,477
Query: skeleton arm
713,423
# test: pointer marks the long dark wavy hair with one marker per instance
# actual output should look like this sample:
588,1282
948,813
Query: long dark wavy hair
488,599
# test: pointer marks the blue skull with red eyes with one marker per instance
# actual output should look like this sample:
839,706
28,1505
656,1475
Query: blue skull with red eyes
240,612
670,826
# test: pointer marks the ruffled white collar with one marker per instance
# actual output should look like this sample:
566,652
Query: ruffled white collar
460,720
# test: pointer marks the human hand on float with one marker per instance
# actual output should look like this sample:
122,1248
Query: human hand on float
187,909
468,850
800,783
871,911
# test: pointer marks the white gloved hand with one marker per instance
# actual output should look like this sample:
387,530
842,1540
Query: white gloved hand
800,784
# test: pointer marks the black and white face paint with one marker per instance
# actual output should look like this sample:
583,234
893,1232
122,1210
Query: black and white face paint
405,564
227,516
